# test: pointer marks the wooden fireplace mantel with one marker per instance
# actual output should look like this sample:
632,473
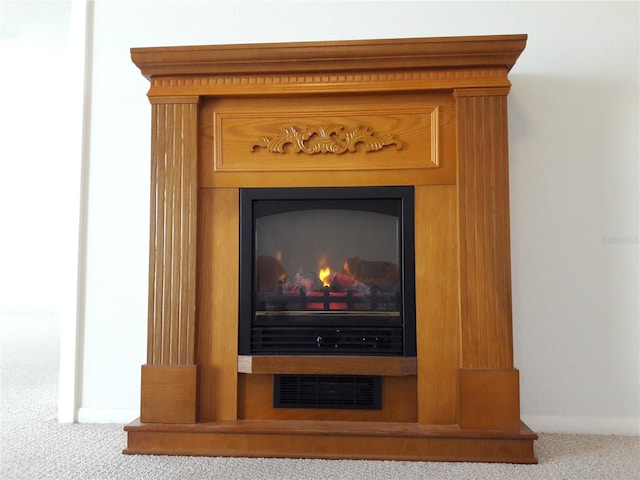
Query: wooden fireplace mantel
431,113
335,56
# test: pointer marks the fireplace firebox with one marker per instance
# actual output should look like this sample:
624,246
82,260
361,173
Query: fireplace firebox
327,271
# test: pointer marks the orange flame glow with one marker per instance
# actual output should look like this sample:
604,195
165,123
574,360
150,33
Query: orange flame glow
324,276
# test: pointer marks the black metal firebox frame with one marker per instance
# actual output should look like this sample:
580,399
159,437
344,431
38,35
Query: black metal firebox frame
328,332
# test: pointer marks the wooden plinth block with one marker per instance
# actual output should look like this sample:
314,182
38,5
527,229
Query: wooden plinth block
168,394
489,399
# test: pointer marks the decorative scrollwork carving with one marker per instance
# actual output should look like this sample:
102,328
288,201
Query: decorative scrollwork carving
331,139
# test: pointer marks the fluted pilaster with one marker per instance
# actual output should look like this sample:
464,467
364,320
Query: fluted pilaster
172,273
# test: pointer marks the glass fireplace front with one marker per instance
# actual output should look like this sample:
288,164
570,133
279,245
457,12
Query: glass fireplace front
327,271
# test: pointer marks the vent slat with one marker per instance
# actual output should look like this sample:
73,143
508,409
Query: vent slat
340,341
327,391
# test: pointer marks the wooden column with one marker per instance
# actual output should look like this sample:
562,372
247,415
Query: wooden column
488,387
169,377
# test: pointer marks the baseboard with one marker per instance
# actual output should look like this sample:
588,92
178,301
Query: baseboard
107,415
583,425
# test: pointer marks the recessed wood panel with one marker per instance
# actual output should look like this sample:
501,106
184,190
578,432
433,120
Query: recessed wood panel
395,139
255,401
336,140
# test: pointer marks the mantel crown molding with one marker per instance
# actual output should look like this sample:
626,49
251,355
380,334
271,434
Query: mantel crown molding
442,53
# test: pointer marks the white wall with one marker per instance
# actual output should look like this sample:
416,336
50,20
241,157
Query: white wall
42,53
35,146
574,179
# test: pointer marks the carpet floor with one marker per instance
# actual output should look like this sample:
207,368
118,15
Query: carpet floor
34,446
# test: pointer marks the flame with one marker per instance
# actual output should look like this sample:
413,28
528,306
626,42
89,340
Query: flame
324,276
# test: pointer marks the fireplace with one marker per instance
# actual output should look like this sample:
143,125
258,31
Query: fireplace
327,271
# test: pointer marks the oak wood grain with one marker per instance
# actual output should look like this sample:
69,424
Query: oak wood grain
425,126
333,440
489,399
173,234
218,303
255,401
445,98
485,260
331,365
168,393
437,302
335,56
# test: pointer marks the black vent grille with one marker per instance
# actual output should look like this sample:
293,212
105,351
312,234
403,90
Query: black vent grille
327,340
327,391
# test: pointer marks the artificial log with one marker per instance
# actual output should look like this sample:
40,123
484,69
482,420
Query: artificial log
269,272
372,272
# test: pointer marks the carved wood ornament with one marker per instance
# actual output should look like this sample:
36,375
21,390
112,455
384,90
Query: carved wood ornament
331,139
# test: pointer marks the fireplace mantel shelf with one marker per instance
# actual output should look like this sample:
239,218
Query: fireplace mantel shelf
445,101
499,51
328,364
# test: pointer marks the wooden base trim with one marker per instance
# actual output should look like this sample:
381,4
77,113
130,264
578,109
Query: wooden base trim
168,394
333,440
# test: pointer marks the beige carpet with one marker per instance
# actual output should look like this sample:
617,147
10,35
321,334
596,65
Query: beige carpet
34,446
